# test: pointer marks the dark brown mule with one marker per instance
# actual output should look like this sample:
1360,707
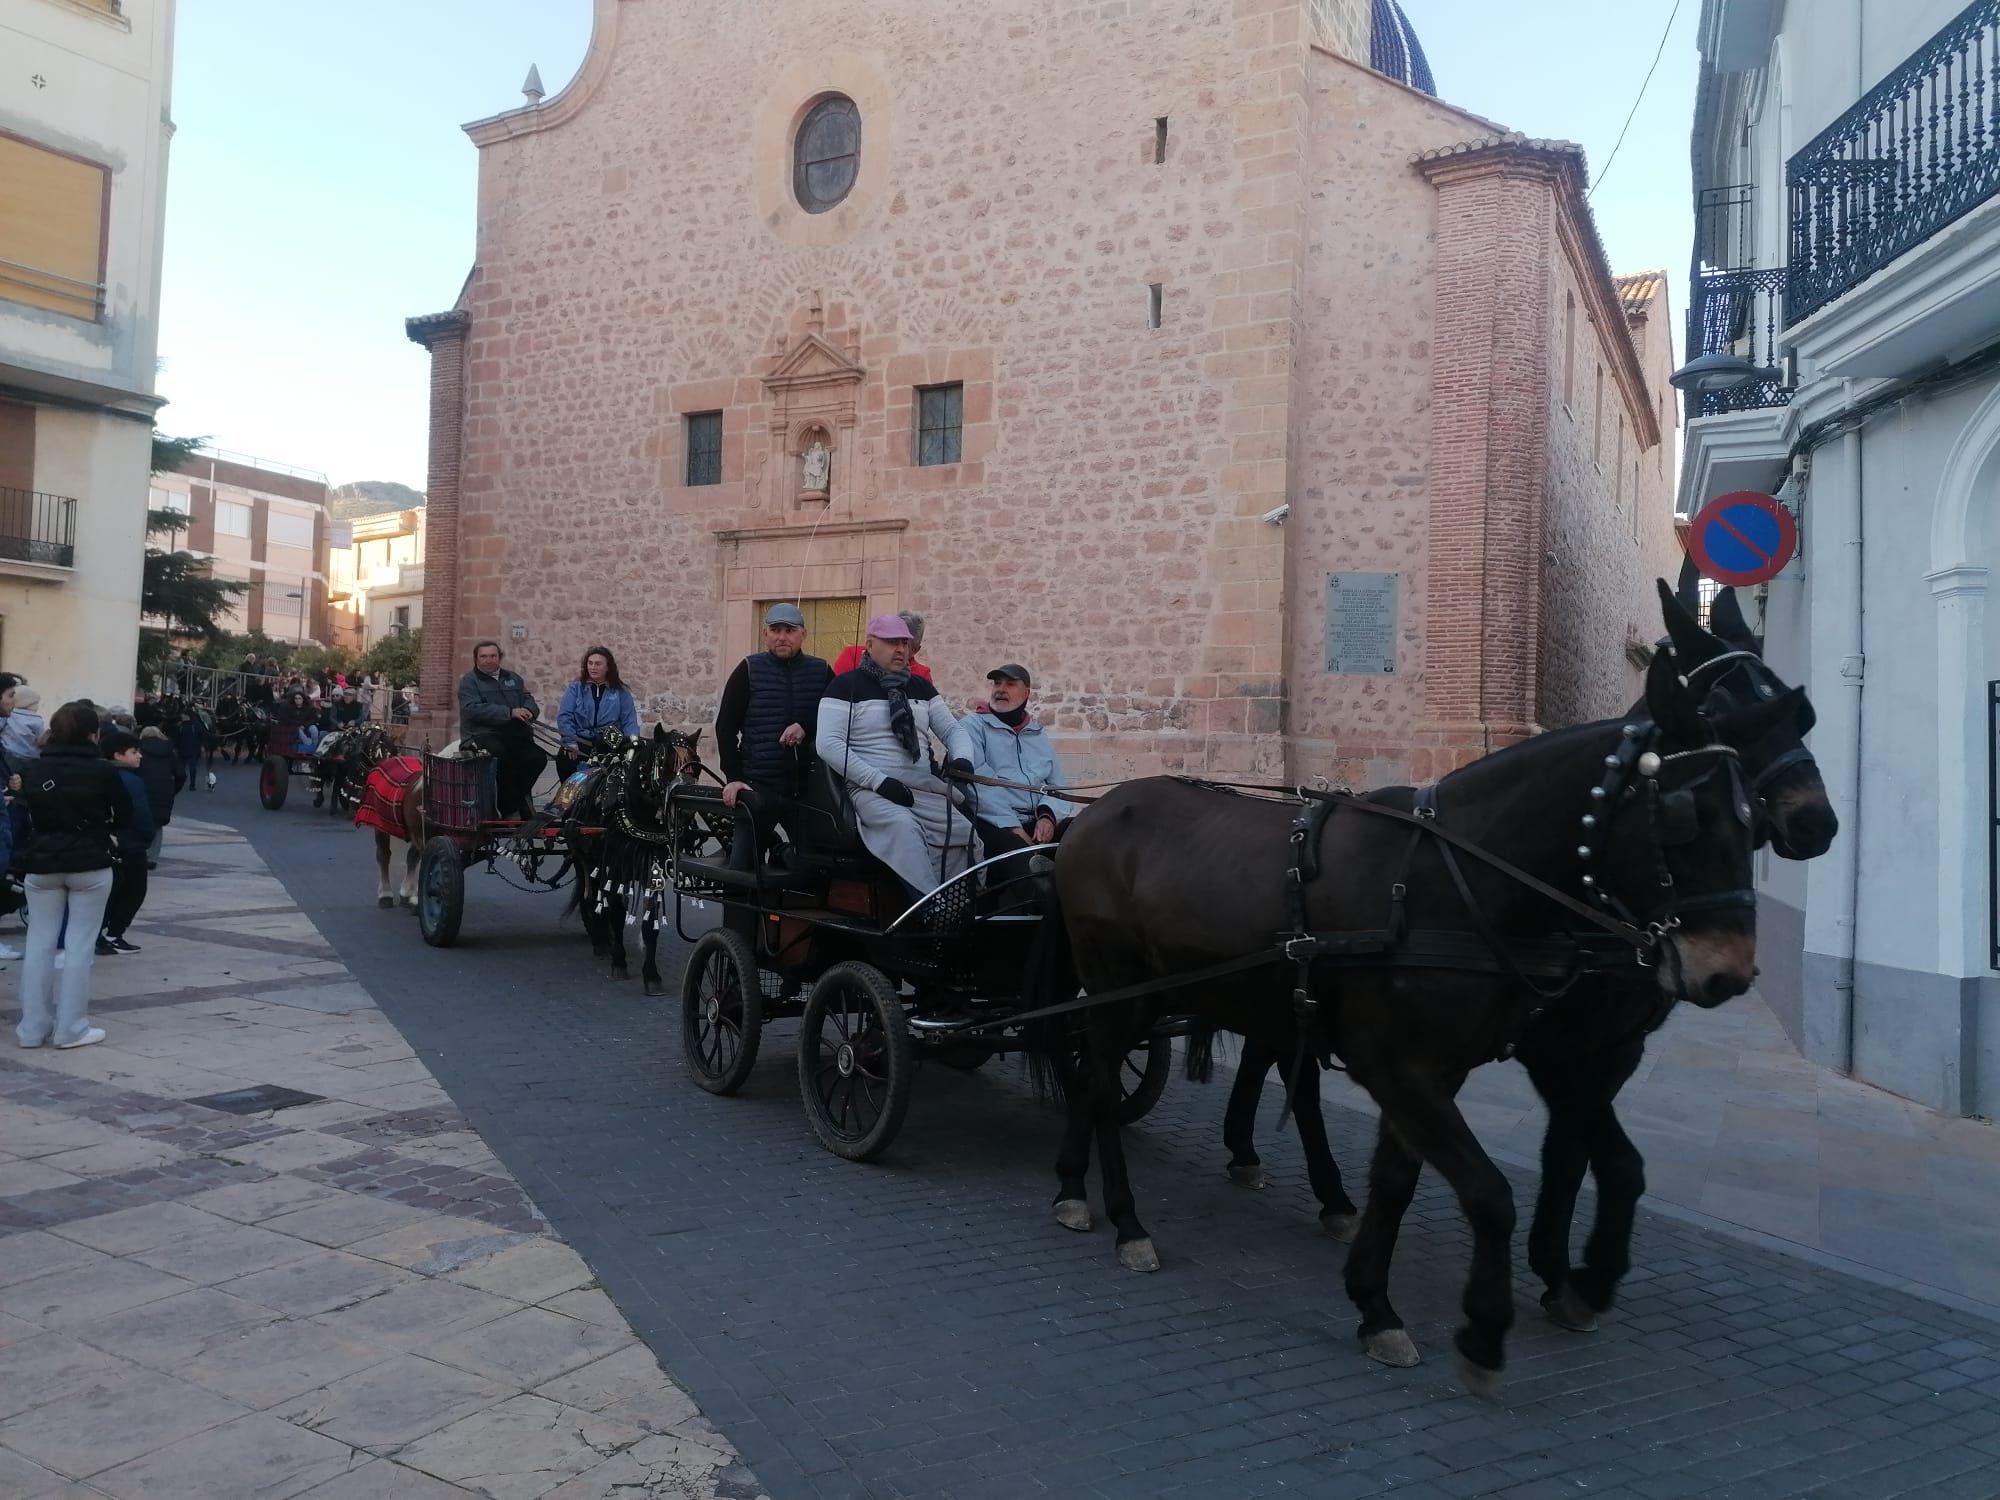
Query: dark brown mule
1161,877
1579,1066
621,847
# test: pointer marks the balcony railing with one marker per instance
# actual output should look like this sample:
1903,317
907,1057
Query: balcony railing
37,528
1738,312
1919,150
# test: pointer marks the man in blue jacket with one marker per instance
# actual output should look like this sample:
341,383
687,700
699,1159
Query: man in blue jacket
1010,746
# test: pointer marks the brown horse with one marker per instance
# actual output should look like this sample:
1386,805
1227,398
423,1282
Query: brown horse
392,804
1162,878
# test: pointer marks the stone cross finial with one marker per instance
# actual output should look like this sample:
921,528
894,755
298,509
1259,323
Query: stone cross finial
532,89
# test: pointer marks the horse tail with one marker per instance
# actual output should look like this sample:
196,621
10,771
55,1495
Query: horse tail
1201,1051
1050,978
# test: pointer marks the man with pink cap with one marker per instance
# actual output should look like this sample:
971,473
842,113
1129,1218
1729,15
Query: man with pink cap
873,724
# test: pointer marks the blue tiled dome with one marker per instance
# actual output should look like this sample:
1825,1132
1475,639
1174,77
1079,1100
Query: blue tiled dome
1393,48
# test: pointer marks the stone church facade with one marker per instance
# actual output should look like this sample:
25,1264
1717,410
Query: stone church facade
1118,338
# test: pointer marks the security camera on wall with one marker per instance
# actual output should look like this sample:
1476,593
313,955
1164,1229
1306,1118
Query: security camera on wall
1277,516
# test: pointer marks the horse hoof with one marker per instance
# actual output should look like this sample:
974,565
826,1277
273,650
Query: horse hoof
1392,1346
1250,1175
1343,1227
620,973
385,902
1477,1379
600,952
1073,1213
1566,1309
654,988
1138,1255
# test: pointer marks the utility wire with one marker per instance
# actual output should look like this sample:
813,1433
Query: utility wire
1658,53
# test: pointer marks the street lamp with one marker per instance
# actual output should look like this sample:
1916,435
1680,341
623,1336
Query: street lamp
1708,373
299,594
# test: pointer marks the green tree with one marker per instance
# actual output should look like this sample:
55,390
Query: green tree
396,657
176,586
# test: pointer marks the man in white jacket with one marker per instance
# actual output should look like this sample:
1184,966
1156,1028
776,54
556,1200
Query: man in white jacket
873,729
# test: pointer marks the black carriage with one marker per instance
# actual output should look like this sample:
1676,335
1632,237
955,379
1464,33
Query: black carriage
828,936
463,828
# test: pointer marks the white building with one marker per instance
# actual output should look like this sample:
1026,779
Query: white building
1847,161
84,128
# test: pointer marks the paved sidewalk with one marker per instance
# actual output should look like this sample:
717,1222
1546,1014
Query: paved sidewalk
346,1300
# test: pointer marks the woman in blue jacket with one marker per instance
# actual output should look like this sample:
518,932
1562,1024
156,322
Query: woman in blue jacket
598,700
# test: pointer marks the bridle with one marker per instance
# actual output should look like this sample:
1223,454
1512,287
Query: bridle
1632,772
1766,686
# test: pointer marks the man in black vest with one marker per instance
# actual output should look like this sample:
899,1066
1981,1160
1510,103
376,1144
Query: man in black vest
764,728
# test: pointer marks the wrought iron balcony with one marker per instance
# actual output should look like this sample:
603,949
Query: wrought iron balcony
37,528
1917,151
1737,312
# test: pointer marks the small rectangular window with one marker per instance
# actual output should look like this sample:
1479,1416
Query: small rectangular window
704,447
1155,304
1159,140
1569,350
402,626
52,208
1597,419
284,528
1618,464
231,519
940,423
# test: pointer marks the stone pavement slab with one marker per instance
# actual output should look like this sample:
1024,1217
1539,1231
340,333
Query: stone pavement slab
205,1305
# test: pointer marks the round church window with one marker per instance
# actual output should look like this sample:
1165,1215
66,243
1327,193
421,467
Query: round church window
827,154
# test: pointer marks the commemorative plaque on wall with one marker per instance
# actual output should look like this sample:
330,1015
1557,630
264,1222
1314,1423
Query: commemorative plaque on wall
1361,624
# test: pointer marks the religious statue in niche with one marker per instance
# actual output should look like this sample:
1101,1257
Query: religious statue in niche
815,468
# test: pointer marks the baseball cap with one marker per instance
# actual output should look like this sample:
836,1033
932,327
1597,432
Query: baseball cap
1011,669
785,614
890,628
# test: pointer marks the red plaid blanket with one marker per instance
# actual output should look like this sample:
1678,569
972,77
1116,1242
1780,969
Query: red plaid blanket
382,796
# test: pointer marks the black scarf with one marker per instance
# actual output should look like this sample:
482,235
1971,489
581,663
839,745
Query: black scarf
1012,717
902,723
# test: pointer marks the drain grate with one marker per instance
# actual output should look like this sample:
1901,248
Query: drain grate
256,1100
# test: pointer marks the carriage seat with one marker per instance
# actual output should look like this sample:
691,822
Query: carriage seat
824,828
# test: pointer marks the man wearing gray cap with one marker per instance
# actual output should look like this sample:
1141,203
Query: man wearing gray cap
1009,746
764,728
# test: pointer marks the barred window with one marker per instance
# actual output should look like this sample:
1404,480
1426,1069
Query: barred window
704,447
939,423
827,154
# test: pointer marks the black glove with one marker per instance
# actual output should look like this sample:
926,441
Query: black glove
959,766
894,791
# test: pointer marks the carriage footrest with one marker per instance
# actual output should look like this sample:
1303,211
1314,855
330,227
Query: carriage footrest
716,872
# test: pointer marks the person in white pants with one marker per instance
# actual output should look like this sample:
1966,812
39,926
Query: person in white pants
74,799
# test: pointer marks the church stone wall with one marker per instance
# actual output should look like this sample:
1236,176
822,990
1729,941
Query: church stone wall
644,260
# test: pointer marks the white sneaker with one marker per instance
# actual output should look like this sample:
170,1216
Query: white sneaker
7,954
89,1039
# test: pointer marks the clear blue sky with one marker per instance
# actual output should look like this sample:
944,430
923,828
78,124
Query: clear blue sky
321,190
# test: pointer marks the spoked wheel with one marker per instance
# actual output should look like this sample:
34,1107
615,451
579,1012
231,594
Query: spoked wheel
854,1061
274,779
440,892
722,1011
1142,1077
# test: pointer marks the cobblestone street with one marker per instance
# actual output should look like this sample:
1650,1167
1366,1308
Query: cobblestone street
920,1327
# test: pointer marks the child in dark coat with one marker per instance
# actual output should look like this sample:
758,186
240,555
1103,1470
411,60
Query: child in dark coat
128,882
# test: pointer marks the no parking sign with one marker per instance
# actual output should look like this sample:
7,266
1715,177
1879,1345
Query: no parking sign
1743,538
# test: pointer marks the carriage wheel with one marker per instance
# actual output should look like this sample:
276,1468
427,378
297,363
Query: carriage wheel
854,1061
273,781
1142,1075
1142,1078
440,892
722,1011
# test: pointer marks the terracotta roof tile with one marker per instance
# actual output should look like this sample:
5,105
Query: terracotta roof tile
1636,292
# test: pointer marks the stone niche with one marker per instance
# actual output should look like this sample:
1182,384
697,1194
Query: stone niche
813,397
